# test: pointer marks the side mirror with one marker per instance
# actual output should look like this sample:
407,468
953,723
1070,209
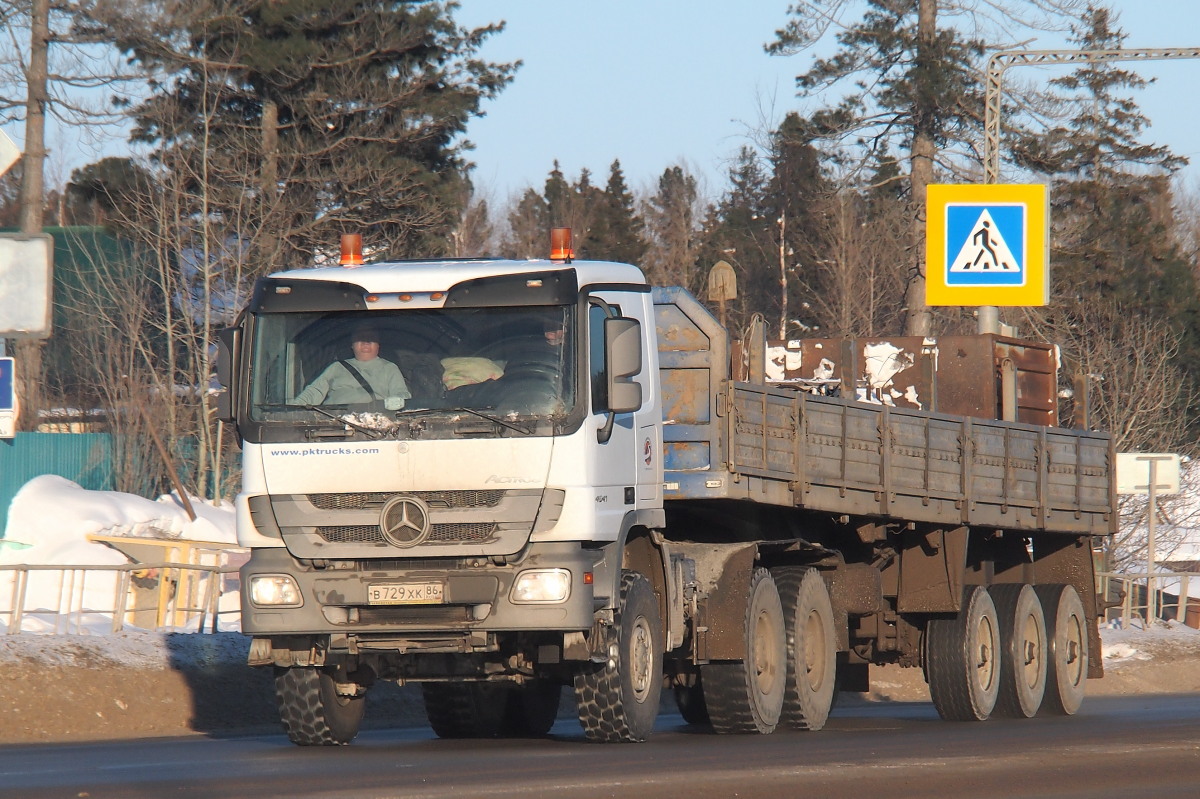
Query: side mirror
229,342
623,357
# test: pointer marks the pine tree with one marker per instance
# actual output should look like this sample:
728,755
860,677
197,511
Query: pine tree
1113,238
740,231
1111,206
307,118
616,233
671,216
528,228
793,200
915,87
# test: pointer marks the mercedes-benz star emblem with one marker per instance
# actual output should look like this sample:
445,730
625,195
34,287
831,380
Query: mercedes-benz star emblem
404,521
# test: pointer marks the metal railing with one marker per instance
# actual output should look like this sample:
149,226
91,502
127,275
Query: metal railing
178,597
1126,597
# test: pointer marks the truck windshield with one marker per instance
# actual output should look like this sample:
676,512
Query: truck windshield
385,370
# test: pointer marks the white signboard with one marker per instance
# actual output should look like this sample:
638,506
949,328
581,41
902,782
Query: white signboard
1133,473
26,272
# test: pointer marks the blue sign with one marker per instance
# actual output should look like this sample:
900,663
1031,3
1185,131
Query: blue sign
987,244
8,400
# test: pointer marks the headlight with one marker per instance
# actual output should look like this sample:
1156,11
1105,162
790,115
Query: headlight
541,585
274,589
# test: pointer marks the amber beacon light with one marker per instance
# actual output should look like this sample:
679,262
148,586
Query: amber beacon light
351,249
560,244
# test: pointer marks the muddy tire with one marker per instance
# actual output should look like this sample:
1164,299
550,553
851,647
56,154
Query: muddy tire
811,647
618,699
747,697
1024,649
312,712
690,701
962,659
1067,659
466,709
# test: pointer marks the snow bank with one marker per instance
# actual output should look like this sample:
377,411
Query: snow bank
49,522
1134,643
51,517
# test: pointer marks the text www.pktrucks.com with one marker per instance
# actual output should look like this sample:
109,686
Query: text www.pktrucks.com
327,451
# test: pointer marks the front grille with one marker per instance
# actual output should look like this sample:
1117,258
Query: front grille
352,534
417,614
452,533
434,499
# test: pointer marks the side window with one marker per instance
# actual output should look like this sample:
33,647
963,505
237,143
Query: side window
597,313
596,316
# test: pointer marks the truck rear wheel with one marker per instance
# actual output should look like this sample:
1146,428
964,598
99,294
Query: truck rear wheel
1067,658
491,710
690,701
962,659
747,697
811,647
312,711
465,709
533,708
618,700
1023,650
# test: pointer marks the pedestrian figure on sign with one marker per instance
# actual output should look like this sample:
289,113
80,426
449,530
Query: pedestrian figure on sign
984,242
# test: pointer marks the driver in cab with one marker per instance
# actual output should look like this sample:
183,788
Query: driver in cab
364,379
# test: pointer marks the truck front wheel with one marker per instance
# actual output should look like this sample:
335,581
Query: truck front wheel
618,700
312,711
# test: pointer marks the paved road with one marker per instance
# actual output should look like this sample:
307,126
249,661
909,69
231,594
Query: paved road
1117,747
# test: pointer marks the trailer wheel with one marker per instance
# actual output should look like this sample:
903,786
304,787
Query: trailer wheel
1067,658
962,659
690,701
618,700
312,711
1023,650
747,697
811,647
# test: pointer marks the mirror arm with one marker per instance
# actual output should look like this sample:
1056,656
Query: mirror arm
604,433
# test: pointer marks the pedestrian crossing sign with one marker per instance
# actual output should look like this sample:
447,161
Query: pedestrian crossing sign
987,245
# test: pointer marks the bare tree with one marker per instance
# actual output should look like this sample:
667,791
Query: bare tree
850,289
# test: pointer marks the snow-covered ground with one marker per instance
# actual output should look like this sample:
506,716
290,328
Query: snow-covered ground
49,522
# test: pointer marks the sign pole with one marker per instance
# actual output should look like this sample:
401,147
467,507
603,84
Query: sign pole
1150,531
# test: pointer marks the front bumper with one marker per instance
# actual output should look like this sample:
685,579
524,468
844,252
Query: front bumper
476,595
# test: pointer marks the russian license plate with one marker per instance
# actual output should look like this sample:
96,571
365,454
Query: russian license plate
430,593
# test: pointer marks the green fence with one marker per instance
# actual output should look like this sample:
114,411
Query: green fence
85,458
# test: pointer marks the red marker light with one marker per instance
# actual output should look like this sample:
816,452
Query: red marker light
351,249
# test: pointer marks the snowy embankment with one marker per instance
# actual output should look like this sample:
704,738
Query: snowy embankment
50,521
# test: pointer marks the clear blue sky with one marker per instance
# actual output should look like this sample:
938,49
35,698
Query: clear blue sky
659,82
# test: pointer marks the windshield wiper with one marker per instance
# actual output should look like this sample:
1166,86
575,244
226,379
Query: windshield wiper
366,431
494,419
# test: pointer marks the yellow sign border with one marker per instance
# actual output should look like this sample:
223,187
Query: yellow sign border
1036,199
